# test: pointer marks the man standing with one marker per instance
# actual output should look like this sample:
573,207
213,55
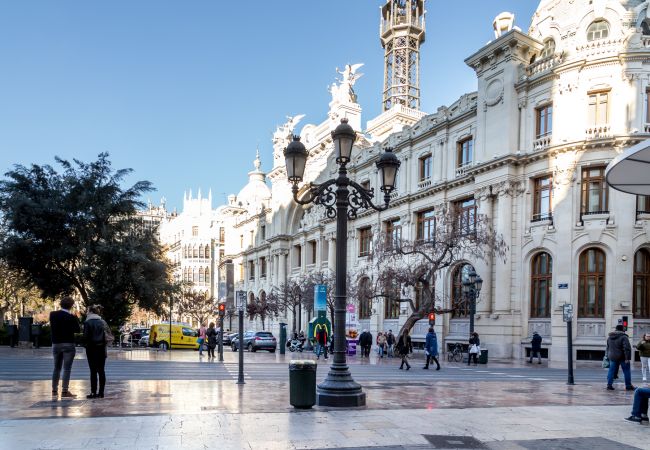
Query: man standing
390,341
365,341
322,338
431,349
64,326
619,353
536,348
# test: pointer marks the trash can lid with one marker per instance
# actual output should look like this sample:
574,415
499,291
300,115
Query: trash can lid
302,364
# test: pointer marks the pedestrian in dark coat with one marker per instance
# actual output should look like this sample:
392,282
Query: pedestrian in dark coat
95,337
474,348
365,341
64,326
431,348
619,353
404,347
211,334
536,348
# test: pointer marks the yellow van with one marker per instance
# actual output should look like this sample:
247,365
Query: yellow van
183,336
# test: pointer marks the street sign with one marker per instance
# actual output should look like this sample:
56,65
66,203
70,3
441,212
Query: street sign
563,285
567,312
320,297
241,300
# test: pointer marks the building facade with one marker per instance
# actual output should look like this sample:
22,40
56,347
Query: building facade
528,150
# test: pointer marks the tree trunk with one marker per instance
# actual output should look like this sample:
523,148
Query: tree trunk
410,322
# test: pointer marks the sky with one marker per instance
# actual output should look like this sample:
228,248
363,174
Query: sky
183,92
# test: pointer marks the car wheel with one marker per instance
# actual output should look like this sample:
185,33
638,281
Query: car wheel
250,348
234,348
272,350
163,345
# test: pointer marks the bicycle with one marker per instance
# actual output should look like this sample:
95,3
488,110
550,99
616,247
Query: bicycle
455,354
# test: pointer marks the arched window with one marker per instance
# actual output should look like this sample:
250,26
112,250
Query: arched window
391,302
549,48
645,28
207,275
458,303
201,275
206,251
591,284
541,274
365,302
641,308
599,29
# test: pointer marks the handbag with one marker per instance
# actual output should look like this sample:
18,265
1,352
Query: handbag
605,362
473,349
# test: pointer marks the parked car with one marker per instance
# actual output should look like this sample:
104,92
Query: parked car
227,339
256,340
182,336
144,340
137,333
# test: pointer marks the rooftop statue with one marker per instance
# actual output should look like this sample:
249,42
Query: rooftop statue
343,92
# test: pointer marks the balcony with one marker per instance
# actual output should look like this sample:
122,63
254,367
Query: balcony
543,65
598,132
462,170
542,217
423,184
542,142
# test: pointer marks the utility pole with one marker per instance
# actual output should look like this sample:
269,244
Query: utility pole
241,300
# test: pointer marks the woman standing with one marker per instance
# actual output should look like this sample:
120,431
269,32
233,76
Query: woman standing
96,337
404,347
474,348
201,339
644,351
211,334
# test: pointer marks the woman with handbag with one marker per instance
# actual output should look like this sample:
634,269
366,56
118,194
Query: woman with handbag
474,348
404,347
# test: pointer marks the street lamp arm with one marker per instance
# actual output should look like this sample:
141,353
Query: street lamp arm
319,194
360,198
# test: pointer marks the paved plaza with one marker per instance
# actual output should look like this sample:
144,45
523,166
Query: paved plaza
176,400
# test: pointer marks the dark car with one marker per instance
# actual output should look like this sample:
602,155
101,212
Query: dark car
256,340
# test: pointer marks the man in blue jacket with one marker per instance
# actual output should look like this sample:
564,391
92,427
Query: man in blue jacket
431,348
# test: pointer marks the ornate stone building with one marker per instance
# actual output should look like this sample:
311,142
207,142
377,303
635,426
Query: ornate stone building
528,149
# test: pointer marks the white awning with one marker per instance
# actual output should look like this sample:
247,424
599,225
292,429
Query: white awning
630,171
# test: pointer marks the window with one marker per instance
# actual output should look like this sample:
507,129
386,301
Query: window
195,275
591,284
458,303
598,110
645,28
201,275
365,302
543,121
391,302
598,29
464,152
252,238
594,191
425,167
207,276
549,48
263,231
190,332
541,271
365,238
222,234
642,204
393,233
263,267
312,252
325,248
641,304
195,231
251,270
222,253
206,251
195,251
543,198
241,272
426,226
466,216
297,253
241,241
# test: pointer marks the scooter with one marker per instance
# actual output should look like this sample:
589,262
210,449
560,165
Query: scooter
294,345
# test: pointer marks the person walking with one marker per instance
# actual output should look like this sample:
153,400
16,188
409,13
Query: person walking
619,353
431,349
474,348
63,326
536,348
404,347
381,343
640,406
211,335
96,339
201,339
390,343
365,342
644,352
321,338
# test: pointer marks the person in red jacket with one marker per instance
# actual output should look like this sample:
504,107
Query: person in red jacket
321,338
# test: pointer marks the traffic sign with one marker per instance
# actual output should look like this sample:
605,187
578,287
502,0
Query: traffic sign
567,312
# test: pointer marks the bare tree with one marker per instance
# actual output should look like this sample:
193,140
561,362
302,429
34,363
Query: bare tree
453,236
289,298
196,305
265,307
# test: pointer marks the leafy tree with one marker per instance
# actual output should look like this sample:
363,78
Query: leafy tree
17,296
76,231
411,264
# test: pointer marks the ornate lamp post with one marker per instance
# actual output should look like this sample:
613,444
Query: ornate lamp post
342,199
472,288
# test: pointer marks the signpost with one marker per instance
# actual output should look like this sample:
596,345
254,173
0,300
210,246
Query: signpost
567,315
241,303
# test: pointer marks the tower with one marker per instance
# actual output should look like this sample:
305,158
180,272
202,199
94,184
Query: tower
401,34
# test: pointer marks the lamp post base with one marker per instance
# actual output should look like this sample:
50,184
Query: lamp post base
340,393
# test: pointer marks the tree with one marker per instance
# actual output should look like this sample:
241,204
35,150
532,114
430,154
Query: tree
196,306
17,296
411,264
76,231
265,307
289,298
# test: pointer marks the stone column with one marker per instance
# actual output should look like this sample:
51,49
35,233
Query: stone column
485,204
331,255
502,285
282,268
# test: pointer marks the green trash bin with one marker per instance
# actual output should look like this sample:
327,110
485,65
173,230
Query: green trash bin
302,383
483,359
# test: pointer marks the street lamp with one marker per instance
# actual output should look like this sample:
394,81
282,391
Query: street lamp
472,288
342,203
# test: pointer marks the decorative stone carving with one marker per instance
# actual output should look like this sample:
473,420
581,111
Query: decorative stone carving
591,328
542,326
282,137
510,188
459,327
494,92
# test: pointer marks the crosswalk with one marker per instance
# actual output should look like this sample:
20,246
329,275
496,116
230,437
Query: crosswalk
41,369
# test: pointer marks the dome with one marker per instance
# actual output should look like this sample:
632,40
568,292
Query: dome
256,191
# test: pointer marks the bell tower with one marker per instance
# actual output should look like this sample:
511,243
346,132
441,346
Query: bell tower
401,34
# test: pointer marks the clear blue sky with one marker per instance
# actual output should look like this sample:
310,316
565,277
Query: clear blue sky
183,91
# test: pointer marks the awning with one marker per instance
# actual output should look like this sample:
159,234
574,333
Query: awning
630,171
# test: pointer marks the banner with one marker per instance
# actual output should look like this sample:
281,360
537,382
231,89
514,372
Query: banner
320,297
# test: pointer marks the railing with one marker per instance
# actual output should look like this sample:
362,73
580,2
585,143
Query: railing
394,195
601,47
646,128
584,214
642,213
543,65
425,183
539,217
598,132
462,170
542,142
645,41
